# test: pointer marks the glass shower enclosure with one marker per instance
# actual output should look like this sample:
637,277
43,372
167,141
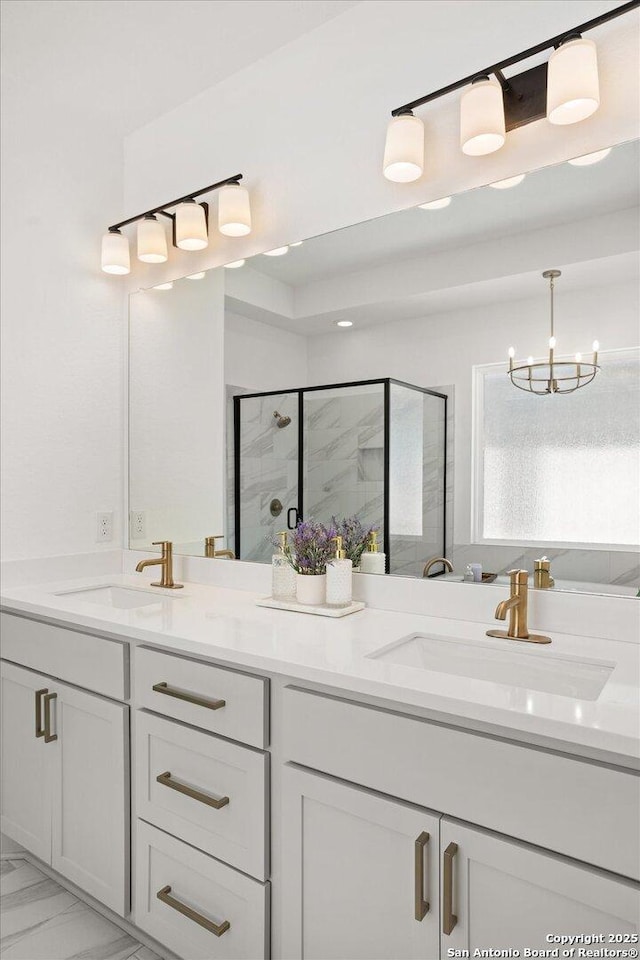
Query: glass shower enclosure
374,448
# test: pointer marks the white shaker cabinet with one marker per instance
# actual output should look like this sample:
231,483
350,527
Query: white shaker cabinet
503,894
359,873
65,792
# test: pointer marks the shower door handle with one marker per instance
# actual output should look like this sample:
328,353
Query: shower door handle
296,518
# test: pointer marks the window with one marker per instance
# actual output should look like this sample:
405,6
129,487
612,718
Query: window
559,470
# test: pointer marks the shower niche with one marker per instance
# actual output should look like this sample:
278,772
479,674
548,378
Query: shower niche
372,448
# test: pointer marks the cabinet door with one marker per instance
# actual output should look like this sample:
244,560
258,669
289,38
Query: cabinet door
26,761
360,873
91,795
503,894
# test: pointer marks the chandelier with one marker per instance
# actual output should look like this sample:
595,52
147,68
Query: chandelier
551,375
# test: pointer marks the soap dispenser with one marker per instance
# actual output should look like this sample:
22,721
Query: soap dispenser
283,576
372,561
339,580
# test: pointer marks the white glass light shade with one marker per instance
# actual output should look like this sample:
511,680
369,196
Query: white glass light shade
436,204
152,241
235,264
508,183
404,149
482,128
115,253
573,91
588,158
191,226
234,211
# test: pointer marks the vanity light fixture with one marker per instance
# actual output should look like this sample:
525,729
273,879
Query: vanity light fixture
189,223
553,376
565,90
235,264
508,183
436,204
276,252
196,276
588,158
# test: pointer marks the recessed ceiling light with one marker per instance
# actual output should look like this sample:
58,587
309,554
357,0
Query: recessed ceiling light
436,204
298,243
590,158
164,286
235,264
344,323
196,276
277,252
509,182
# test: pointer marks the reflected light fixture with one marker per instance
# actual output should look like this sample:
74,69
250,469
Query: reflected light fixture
564,90
235,264
276,252
196,276
436,204
344,323
115,252
152,240
589,158
508,183
553,376
164,286
189,226
298,243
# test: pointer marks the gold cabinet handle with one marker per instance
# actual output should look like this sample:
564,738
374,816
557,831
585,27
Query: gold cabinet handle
449,918
421,905
39,727
48,736
217,929
188,697
167,781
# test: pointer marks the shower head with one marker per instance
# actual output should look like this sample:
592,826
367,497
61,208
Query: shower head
280,420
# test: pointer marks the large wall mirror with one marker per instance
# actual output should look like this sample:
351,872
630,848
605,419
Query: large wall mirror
366,373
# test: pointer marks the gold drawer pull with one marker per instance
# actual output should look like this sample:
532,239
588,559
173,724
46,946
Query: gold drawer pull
39,727
167,781
449,918
421,905
188,697
217,929
48,736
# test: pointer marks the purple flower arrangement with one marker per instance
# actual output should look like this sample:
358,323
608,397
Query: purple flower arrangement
354,537
310,546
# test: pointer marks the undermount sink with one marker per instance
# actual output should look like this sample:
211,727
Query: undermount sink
513,665
121,598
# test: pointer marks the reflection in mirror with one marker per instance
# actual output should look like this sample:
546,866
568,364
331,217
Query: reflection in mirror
341,357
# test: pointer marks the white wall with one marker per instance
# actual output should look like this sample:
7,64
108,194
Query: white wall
62,346
260,357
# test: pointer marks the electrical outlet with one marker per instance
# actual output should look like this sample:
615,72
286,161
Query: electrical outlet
104,531
137,524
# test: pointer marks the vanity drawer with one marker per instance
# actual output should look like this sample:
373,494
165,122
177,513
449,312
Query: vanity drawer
233,704
94,663
549,799
227,913
223,809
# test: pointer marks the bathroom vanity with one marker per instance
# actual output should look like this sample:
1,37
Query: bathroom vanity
243,783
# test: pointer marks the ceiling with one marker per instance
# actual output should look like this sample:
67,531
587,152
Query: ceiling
85,57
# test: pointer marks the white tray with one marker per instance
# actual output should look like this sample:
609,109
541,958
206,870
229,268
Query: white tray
321,610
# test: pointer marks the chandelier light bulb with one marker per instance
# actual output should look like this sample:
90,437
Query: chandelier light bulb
235,264
115,253
151,241
589,158
191,226
234,211
436,204
508,183
482,126
276,252
196,276
404,149
573,91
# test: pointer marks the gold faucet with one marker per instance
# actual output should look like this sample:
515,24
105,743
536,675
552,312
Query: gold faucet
166,562
432,563
542,573
210,548
517,606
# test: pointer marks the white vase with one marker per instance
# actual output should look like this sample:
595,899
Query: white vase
311,589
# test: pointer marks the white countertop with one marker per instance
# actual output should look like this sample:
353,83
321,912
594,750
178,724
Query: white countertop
225,625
